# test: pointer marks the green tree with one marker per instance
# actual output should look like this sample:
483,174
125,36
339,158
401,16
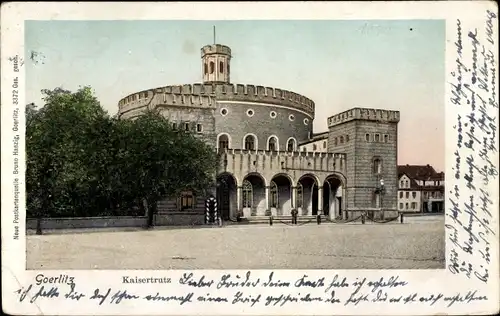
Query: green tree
164,161
82,162
57,149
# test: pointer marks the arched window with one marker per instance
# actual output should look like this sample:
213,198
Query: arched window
223,142
206,68
250,142
272,144
247,194
341,139
300,195
221,67
186,200
377,166
290,146
324,144
274,194
212,67
367,137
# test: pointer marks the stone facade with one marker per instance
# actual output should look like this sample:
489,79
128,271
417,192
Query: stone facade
369,139
270,161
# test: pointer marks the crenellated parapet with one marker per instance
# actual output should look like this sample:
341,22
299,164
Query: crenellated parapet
367,114
215,49
222,92
153,99
239,161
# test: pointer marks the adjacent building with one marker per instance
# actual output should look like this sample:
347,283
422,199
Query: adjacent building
270,161
421,189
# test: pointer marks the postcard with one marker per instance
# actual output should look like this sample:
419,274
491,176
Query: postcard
250,158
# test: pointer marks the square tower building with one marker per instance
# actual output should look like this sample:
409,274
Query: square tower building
369,138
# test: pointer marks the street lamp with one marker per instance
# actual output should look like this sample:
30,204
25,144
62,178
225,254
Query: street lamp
382,192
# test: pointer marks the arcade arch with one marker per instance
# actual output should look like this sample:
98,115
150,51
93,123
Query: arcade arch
253,195
227,195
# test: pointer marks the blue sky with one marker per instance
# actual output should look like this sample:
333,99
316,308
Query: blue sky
391,64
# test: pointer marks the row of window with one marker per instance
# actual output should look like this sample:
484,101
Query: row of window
404,184
272,114
273,196
250,143
187,126
377,138
413,194
426,194
340,140
413,206
315,146
210,67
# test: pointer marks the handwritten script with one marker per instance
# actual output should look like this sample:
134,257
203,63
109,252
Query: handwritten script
475,169
251,290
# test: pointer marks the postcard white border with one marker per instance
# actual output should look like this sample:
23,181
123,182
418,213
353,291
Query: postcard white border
14,276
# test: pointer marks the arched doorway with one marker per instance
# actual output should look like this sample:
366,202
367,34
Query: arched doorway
307,202
253,195
226,195
332,196
280,195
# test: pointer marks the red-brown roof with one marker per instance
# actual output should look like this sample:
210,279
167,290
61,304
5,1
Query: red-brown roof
420,172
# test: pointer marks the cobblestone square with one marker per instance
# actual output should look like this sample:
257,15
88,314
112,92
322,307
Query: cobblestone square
311,246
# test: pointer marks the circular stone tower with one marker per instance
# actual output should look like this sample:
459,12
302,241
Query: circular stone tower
216,61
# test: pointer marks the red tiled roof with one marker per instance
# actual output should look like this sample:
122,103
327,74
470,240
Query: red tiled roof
420,172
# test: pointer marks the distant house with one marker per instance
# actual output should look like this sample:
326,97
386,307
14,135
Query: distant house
421,189
318,143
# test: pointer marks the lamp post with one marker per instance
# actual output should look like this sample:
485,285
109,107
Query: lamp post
382,192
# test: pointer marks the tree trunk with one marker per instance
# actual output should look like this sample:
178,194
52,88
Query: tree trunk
39,225
149,213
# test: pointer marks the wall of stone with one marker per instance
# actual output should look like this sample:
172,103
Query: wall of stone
171,206
180,219
88,222
294,165
227,92
318,146
365,180
194,118
347,133
265,121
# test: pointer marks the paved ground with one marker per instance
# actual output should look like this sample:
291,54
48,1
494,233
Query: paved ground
327,246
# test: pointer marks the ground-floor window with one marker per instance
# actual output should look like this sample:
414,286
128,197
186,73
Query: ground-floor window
247,194
186,201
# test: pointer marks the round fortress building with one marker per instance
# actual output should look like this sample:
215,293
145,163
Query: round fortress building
245,116
271,162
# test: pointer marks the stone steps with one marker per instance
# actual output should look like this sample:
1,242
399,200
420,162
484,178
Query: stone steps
277,219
